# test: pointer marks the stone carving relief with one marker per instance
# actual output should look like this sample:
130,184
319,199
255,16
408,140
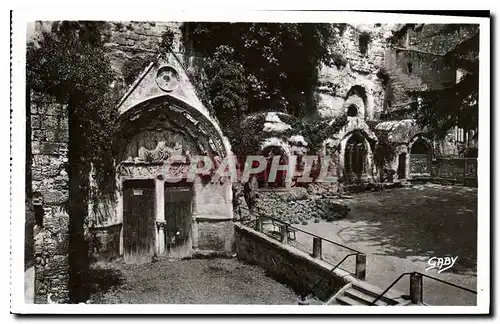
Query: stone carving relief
167,78
161,153
132,171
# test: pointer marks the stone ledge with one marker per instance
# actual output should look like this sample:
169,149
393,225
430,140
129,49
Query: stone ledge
289,265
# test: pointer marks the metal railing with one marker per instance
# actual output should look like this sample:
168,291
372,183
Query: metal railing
416,287
286,235
311,290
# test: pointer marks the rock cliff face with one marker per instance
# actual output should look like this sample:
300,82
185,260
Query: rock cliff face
359,54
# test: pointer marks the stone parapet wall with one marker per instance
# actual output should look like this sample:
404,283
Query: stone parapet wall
455,170
288,264
214,235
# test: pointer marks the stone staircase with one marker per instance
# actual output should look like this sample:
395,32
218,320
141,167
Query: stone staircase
362,294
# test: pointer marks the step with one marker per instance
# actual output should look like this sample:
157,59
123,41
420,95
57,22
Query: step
346,300
363,298
374,291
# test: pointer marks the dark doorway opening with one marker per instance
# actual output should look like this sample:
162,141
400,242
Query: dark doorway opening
402,166
355,156
263,178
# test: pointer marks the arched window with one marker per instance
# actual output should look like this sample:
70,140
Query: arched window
352,111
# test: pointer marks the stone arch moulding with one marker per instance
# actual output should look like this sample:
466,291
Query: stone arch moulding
430,153
211,202
357,96
286,156
368,156
196,122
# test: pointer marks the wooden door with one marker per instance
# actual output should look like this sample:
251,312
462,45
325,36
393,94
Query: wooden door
178,213
138,221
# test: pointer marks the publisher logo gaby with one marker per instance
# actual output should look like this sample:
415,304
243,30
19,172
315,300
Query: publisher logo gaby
441,263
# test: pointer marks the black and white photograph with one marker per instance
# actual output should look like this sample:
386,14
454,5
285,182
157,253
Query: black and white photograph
314,160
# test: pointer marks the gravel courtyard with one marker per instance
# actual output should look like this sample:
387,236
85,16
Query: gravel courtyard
400,229
196,281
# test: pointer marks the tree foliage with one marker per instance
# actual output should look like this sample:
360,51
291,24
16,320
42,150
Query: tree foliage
255,67
70,64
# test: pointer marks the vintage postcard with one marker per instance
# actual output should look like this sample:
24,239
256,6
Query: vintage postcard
250,162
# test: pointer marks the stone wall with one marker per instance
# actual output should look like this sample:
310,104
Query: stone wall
49,137
287,264
410,70
104,242
299,205
455,170
433,38
359,69
419,163
132,45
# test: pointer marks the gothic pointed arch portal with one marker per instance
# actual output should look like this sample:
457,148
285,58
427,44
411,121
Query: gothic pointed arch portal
181,209
355,157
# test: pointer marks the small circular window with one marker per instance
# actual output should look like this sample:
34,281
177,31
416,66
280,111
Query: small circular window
167,78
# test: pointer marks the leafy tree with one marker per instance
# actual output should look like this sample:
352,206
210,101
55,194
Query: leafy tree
255,67
224,79
70,64
456,105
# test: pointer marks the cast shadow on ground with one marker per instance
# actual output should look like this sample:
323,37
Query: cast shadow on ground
403,223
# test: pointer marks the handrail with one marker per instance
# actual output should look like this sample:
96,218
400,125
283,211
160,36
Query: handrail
309,233
303,295
448,283
388,288
423,275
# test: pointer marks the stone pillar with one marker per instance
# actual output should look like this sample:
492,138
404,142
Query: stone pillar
160,216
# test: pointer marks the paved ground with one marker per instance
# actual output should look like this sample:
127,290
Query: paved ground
400,229
200,281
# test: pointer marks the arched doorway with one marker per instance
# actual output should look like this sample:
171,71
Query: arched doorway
270,153
420,157
162,208
355,157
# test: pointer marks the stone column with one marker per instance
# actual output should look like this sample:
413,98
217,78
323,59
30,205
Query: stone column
160,216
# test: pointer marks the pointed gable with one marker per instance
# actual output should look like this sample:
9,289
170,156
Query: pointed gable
165,76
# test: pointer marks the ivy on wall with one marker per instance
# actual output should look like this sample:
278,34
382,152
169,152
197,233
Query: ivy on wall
315,132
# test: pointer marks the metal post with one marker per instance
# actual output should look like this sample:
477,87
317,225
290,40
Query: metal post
284,234
360,266
258,224
416,288
317,247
